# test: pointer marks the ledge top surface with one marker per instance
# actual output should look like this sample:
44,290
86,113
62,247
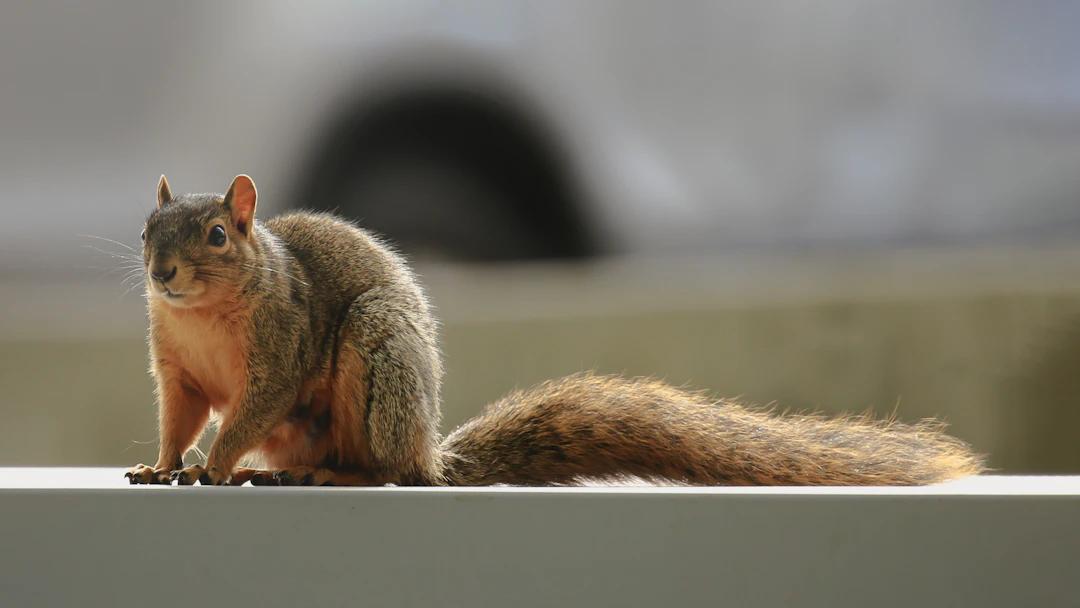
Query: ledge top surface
112,479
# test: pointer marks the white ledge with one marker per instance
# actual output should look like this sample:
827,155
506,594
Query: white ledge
100,478
85,537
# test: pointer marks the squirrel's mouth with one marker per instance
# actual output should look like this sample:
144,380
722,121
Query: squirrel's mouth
190,296
170,296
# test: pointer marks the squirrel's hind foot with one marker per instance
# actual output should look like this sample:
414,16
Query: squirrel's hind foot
211,476
311,476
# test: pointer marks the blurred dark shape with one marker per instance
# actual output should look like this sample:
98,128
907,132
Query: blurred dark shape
449,172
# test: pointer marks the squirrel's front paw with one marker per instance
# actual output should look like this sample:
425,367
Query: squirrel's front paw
211,476
141,473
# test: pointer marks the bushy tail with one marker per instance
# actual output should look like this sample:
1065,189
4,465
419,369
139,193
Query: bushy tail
590,426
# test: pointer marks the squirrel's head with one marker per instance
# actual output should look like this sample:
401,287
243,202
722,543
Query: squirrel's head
199,249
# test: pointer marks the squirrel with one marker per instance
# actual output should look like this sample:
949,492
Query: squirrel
313,346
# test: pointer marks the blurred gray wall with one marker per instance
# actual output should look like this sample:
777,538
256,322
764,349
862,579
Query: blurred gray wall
830,205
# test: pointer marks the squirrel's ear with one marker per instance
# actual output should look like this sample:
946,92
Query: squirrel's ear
164,194
240,201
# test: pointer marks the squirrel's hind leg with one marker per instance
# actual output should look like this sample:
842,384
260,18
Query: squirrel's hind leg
385,390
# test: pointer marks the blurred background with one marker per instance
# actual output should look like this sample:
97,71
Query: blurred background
838,205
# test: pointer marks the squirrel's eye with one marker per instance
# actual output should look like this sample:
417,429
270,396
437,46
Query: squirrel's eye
142,235
217,236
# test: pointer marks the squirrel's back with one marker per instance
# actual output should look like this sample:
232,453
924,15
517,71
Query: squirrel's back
338,255
341,262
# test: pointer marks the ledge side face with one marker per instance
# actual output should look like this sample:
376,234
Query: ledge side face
533,547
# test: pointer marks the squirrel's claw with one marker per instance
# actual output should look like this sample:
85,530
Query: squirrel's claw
142,474
264,478
188,475
284,478
214,477
211,476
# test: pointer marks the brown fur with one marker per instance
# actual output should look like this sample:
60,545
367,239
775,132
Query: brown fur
588,426
314,348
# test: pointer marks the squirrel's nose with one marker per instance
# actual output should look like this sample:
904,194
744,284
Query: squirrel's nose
162,275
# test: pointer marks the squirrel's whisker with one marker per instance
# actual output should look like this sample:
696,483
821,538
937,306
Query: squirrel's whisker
131,275
281,272
124,245
115,254
128,290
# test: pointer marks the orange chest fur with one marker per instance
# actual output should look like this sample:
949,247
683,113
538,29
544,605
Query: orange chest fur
210,351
